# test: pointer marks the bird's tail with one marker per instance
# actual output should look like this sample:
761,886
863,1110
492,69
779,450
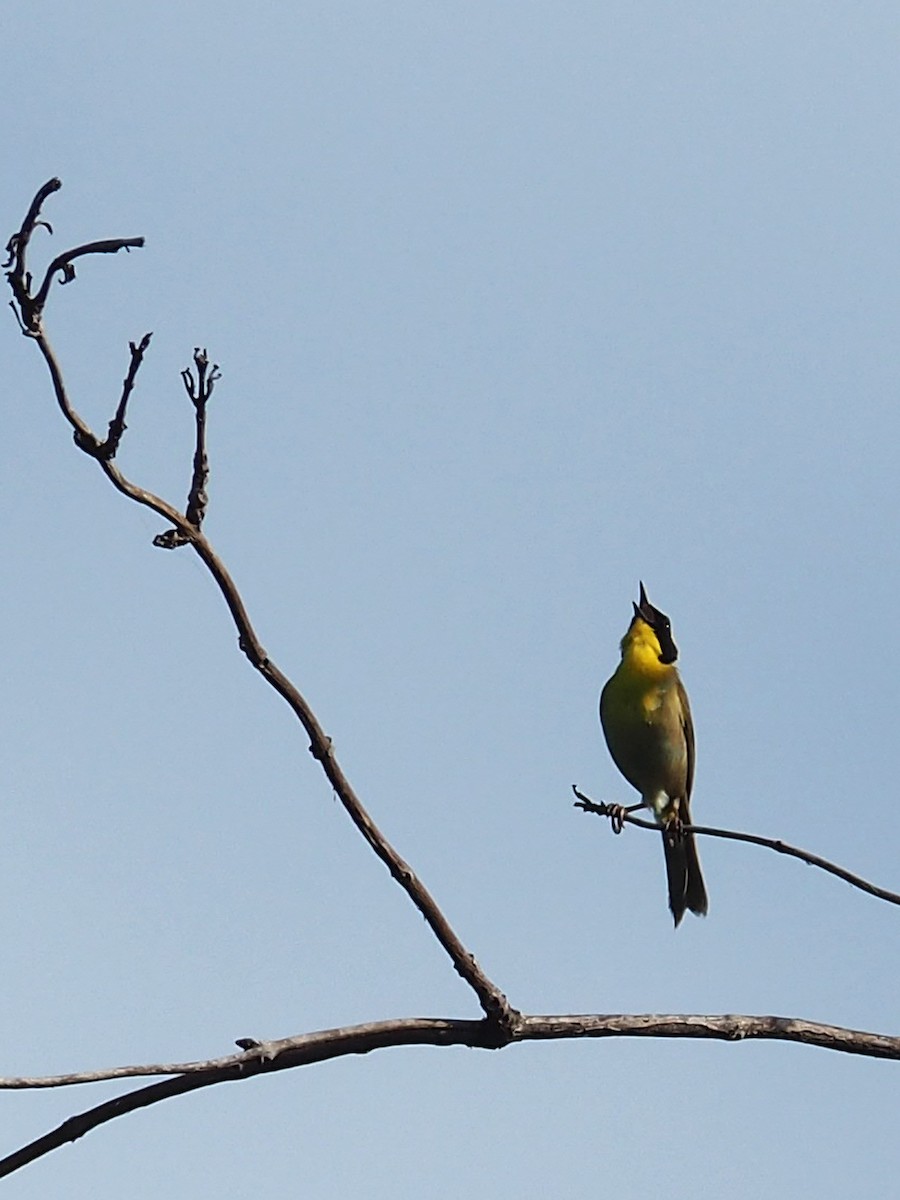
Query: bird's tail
686,887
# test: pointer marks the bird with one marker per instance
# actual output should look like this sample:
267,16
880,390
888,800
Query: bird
646,719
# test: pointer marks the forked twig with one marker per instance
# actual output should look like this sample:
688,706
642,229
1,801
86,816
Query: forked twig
199,391
499,1016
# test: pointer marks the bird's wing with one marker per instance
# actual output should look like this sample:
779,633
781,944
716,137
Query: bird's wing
687,726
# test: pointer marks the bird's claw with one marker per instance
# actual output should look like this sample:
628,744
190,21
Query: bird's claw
674,830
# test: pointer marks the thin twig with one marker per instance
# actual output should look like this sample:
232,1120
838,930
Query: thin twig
63,262
199,391
618,815
117,425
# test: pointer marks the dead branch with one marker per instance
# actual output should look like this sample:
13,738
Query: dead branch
117,425
496,1007
31,306
199,391
262,1058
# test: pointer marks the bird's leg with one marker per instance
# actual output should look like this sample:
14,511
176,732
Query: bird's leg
674,827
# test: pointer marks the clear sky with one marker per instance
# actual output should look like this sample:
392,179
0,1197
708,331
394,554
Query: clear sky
516,304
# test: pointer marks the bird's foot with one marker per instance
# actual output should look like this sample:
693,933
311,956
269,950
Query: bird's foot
674,830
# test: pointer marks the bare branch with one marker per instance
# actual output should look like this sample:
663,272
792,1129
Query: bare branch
494,1003
117,425
620,816
31,307
199,391
63,263
726,1028
287,1053
16,247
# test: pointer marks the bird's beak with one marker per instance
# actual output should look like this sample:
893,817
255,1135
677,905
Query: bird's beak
644,609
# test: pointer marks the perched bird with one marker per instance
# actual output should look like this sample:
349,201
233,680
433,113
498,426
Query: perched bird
646,721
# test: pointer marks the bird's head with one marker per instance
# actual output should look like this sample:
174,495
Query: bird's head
652,629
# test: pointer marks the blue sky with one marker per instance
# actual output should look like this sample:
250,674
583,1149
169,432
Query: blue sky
515,304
